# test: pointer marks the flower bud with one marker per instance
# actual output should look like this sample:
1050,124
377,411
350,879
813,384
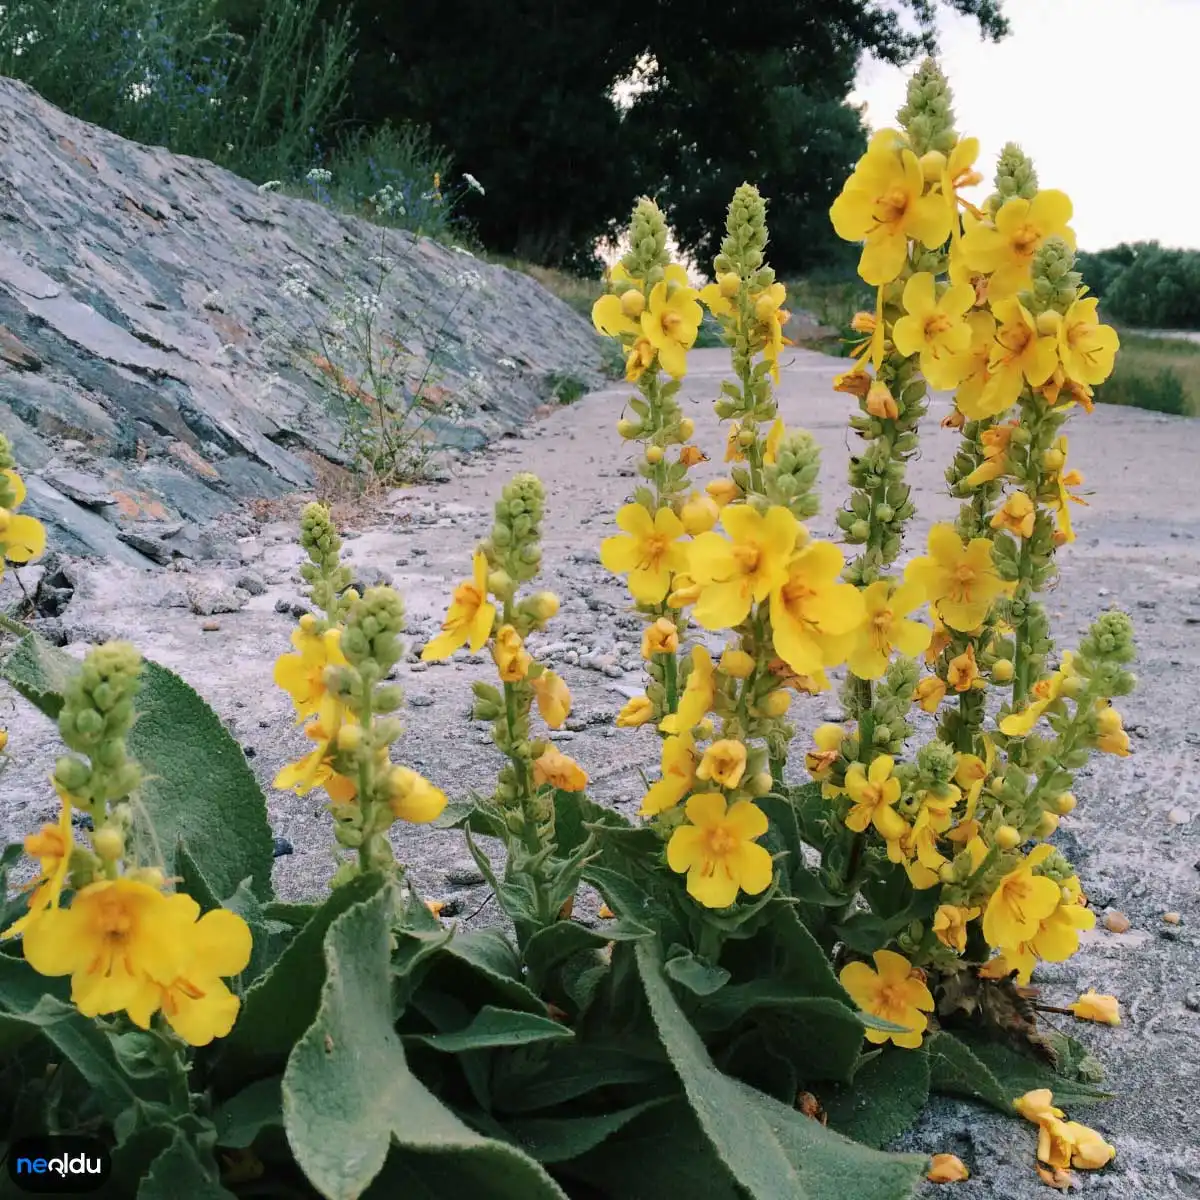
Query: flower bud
933,163
108,843
881,404
543,605
759,784
736,663
776,703
1002,671
686,428
728,284
1046,825
699,514
151,876
349,738
654,455
628,429
633,303
1007,837
1065,803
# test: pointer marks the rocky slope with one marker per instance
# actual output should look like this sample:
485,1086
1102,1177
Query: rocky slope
150,372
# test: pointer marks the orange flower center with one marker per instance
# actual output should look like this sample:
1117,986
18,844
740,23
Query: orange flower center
654,549
747,556
892,1001
936,325
872,795
721,842
671,321
881,628
1025,240
892,206
963,578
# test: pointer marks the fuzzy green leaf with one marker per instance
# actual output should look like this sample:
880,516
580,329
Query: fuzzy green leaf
885,1098
178,1171
697,976
573,812
485,959
954,1070
244,1116
1017,1073
771,1151
198,789
348,1093
553,945
560,1139
492,1027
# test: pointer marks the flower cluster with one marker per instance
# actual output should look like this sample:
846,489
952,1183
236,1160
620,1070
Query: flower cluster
1062,1144
22,537
336,679
128,944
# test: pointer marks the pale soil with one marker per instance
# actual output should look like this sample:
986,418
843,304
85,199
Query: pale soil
1138,547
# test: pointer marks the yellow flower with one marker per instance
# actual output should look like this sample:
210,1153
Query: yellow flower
950,925
649,550
941,639
934,327
975,365
718,851
723,491
411,797
302,675
692,456
51,846
1089,1151
881,404
769,310
678,774
636,711
1091,1006
960,581
971,773
196,1004
1086,348
1061,481
1045,691
471,615
995,443
718,297
660,638
883,204
946,1168
962,672
929,693
1055,1144
120,940
874,348
827,749
1016,909
737,664
698,695
874,792
699,514
22,538
1112,738
511,658
610,317
553,698
1019,355
813,613
960,170
887,628
638,360
1016,515
892,991
1005,250
723,763
855,382
734,450
1037,1106
774,441
672,319
555,768
315,769
733,574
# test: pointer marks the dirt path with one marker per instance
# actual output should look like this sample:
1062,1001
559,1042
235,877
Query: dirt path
1135,835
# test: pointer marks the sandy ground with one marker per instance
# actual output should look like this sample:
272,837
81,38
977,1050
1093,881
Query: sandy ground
1135,836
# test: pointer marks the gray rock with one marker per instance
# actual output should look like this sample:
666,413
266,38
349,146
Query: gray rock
420,700
174,598
88,490
207,599
251,582
464,877
150,540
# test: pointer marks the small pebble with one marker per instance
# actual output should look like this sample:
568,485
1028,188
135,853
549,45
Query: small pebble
1178,816
420,701
282,847
1116,922
464,877
1192,1001
210,626
1172,918
249,751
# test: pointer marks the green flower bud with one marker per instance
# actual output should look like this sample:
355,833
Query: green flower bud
927,116
1015,176
7,461
647,240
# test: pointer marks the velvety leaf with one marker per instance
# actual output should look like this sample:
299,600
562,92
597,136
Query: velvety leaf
492,1027
697,976
553,945
178,1171
197,787
551,1074
1018,1073
954,1070
243,1117
771,1151
801,958
885,1098
348,1093
489,956
558,1139
466,814
573,812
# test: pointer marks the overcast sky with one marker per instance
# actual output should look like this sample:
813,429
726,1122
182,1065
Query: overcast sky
1102,94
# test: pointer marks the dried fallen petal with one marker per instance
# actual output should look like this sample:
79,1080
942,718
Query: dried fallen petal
946,1168
1092,1006
1172,918
435,906
1055,1177
605,913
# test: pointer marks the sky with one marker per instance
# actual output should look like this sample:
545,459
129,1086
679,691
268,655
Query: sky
1100,93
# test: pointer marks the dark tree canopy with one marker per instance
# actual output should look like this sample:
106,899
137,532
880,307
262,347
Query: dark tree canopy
520,92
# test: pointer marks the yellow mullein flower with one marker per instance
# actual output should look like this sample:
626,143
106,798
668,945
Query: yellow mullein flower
1016,909
950,925
769,310
718,851
1020,355
698,695
1086,348
649,551
947,1168
412,798
1016,515
874,791
553,698
637,710
774,441
699,514
22,538
718,297
120,941
723,491
692,456
827,749
874,347
929,693
942,637
855,382
660,638
509,653
1091,1006
51,846
1006,248
996,442
1055,1145
881,404
302,675
197,1005
723,763
612,318
934,327
1045,692
314,769
638,360
1062,480
672,320
971,773
734,572
883,204
470,617
975,365
813,613
960,172
962,672
558,770
1112,738
1056,938
734,451
1089,1151
892,991
678,775
960,581
887,628
1037,1105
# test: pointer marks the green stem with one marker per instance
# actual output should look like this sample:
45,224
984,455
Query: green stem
366,782
13,627
671,681
1024,592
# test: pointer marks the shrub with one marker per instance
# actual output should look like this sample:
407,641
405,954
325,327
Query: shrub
710,1034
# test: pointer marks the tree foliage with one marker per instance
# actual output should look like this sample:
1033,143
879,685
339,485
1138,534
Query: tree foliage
1146,285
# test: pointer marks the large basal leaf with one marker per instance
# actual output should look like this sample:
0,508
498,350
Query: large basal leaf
885,1098
178,1172
955,1071
348,1094
198,789
244,1116
560,1139
769,1150
493,1027
550,947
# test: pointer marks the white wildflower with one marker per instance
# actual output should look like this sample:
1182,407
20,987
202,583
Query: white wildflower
319,175
462,250
272,185
295,286
506,363
473,183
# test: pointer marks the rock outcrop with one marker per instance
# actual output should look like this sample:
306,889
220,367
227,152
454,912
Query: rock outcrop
151,360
